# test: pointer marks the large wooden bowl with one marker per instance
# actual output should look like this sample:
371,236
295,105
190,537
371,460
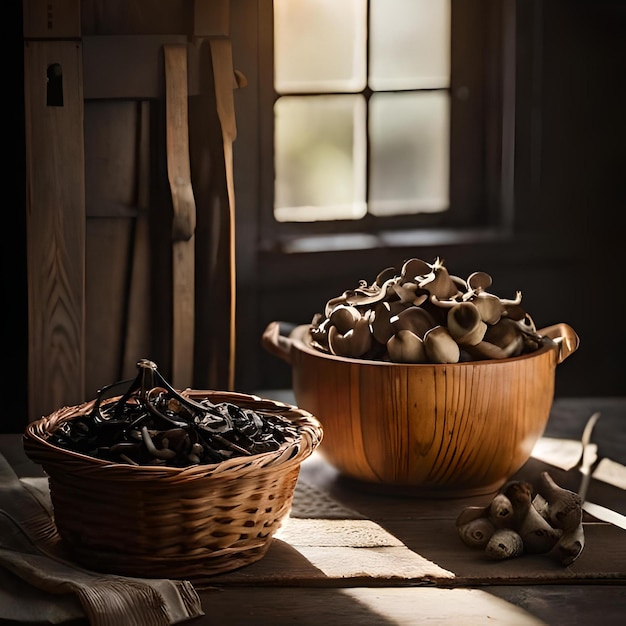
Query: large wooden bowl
429,429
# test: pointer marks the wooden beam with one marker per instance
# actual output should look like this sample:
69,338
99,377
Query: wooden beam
225,83
184,221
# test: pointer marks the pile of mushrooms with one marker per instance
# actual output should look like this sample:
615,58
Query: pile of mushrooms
519,521
424,315
154,424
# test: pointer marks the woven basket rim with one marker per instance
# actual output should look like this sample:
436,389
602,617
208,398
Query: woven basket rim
43,452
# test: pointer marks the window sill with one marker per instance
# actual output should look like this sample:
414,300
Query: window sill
385,239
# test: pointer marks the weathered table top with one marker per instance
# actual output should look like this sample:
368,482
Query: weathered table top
352,555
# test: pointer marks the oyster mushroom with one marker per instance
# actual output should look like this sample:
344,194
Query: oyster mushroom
440,346
507,336
415,319
364,294
485,350
382,330
422,297
319,332
406,347
465,324
478,282
439,283
413,269
354,343
409,293
491,307
344,317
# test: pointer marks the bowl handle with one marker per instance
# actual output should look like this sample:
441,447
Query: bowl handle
275,343
565,338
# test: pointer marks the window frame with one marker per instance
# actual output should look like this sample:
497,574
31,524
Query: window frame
481,149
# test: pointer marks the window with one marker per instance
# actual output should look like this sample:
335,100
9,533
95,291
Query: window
380,114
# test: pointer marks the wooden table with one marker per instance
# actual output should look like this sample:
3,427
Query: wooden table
352,556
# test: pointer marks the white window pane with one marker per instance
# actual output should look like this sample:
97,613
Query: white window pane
409,134
409,44
320,146
319,45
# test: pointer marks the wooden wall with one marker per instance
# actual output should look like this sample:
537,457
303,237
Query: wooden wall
126,158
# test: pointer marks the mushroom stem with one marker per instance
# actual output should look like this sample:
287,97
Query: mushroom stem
163,453
564,507
570,546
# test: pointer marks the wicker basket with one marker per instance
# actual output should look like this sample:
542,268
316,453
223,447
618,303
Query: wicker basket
188,523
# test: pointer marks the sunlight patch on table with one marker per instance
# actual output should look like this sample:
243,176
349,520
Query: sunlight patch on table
357,548
432,606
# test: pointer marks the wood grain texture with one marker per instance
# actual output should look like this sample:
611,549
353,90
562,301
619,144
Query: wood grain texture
212,130
55,205
464,427
222,57
184,221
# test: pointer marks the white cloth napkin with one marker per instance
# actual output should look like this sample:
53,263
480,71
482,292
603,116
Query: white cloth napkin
30,548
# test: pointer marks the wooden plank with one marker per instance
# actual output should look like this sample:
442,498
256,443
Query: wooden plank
51,19
139,326
55,227
111,182
215,231
184,220
223,72
359,606
106,263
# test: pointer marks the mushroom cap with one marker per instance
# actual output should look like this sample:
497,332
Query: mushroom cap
440,346
406,347
344,317
479,281
415,319
465,324
506,334
355,343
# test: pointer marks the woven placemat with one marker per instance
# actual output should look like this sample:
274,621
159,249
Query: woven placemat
309,502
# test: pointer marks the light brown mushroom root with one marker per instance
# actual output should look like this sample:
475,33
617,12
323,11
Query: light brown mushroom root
505,543
512,508
477,532
563,510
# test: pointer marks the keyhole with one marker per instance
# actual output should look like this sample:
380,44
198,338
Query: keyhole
54,87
